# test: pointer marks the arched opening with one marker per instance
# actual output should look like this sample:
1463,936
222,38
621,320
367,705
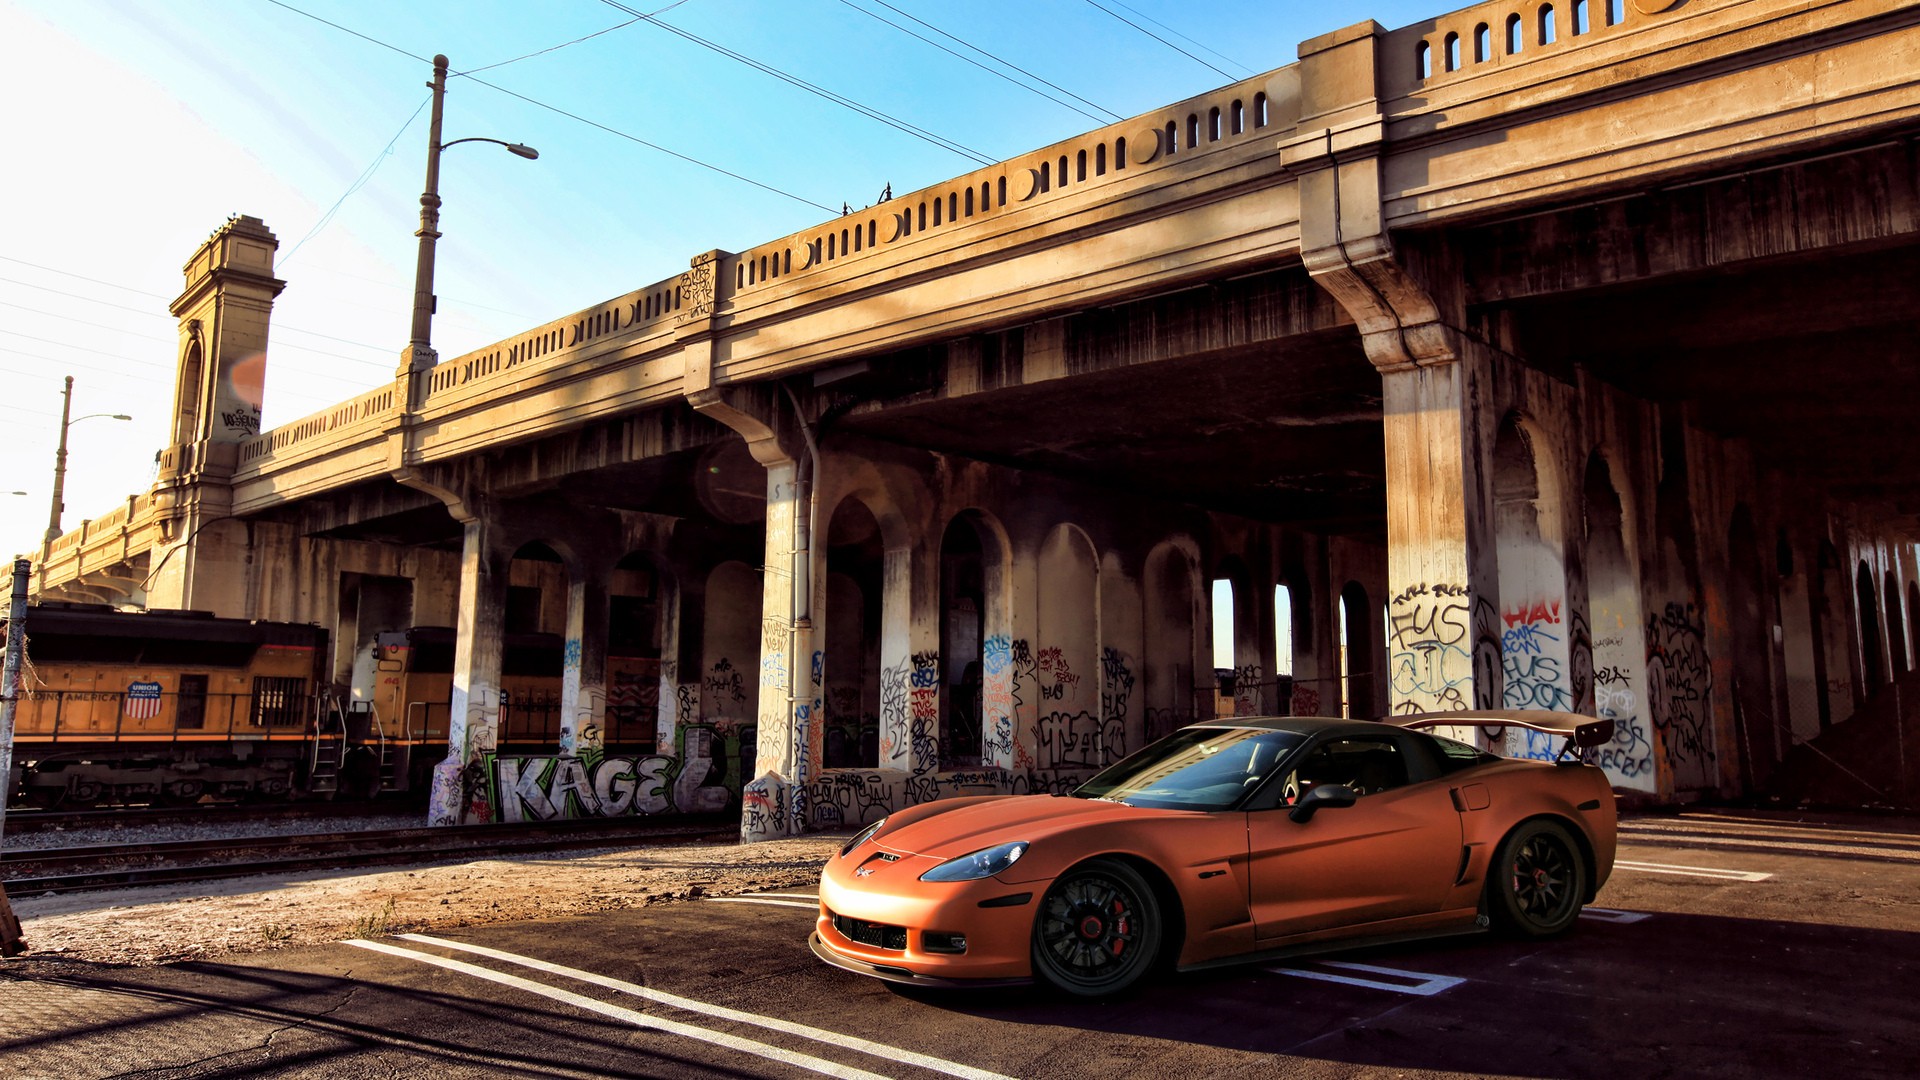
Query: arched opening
192,371
1453,52
1172,640
1873,660
1283,649
1832,637
963,604
1913,618
1619,649
1236,650
730,674
1536,641
1751,609
850,656
1423,61
1515,36
1066,653
1549,33
1896,629
530,656
1482,43
634,648
1356,653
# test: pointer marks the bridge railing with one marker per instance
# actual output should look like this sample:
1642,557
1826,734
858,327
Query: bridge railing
1219,120
1475,40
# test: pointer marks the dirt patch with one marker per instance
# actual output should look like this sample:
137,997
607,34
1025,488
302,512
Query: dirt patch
163,924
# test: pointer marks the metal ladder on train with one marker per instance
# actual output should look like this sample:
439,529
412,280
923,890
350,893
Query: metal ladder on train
329,746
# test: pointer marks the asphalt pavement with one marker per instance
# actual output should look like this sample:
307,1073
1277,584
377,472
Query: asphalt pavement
1726,944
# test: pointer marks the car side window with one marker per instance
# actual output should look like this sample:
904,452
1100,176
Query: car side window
1368,766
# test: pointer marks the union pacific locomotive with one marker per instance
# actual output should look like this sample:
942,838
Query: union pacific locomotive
172,707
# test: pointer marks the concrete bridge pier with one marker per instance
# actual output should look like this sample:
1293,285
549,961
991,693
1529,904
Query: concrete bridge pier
461,786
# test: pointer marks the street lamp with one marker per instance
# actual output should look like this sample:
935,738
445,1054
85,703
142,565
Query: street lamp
67,420
419,355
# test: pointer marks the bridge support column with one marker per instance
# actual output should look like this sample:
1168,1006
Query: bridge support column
1442,632
583,674
773,803
462,784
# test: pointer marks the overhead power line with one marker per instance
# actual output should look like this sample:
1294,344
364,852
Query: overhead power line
569,115
1111,115
1196,44
1156,37
794,80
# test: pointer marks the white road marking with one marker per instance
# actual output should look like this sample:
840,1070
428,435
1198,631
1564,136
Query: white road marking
1692,871
790,895
637,1019
1600,914
1419,983
1777,840
789,1027
814,906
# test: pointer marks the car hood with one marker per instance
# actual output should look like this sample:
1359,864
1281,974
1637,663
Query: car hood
988,822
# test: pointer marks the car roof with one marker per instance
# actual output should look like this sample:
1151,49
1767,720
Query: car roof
1301,725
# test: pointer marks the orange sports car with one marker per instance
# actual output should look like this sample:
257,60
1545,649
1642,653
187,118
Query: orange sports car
1228,841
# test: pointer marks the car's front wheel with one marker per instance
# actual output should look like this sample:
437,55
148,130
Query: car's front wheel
1098,929
1538,881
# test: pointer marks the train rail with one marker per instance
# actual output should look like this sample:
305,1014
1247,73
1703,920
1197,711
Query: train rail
108,866
22,822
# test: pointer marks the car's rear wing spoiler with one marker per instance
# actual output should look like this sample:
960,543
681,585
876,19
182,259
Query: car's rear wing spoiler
1582,731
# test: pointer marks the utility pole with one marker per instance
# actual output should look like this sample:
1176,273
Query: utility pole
10,943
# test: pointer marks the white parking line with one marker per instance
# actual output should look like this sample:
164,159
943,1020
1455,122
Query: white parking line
1691,871
1600,914
814,906
831,1038
1418,983
637,1019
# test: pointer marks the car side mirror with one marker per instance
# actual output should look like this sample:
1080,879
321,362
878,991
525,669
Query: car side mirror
1322,797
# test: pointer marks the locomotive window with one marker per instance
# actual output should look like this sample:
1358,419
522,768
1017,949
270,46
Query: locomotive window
192,706
279,701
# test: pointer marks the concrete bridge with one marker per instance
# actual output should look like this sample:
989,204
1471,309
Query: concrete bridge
1540,354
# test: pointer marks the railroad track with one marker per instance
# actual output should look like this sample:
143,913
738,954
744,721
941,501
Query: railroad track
107,866
22,822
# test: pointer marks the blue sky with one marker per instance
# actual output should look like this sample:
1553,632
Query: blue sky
133,129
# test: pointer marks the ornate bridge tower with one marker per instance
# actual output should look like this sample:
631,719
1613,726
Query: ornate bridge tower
223,312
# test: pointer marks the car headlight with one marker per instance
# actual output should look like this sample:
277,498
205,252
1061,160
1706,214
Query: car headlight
862,836
981,864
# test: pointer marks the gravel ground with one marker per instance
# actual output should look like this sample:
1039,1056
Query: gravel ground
165,923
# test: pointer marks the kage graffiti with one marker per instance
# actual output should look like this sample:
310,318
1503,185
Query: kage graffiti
546,788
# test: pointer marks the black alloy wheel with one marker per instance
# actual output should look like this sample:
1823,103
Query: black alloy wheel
1538,881
1098,930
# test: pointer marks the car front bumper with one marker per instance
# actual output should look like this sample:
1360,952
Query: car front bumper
906,922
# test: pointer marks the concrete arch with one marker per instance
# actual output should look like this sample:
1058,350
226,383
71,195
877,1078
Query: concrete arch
1873,657
1537,625
1619,643
1246,674
1363,650
977,698
862,537
1066,652
1751,606
1176,664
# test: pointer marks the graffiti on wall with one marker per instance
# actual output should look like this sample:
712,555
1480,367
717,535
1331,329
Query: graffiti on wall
1428,638
1246,690
1306,700
1532,674
723,685
1116,694
1630,755
1679,682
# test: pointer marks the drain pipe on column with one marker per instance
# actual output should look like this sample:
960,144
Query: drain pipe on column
800,630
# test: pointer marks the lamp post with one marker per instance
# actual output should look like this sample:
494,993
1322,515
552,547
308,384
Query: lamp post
67,420
419,355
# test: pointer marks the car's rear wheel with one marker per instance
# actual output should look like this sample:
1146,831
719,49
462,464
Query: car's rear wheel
1098,929
1538,881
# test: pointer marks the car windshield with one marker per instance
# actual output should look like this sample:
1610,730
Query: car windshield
1194,769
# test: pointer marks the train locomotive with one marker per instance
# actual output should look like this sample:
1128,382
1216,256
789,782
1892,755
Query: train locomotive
173,707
